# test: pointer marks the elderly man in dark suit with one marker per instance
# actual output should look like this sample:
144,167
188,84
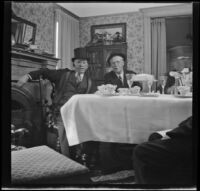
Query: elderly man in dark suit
118,75
67,83
166,160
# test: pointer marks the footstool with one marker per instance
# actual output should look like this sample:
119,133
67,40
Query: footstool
43,165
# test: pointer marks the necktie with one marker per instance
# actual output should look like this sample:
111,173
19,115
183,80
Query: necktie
78,78
120,79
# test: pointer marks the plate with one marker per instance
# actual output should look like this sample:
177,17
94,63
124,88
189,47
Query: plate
123,94
133,94
150,95
106,94
183,96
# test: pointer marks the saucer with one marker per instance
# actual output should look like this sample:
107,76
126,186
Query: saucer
134,94
105,94
149,94
183,96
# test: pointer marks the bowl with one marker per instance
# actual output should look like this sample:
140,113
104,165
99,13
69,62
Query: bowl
107,89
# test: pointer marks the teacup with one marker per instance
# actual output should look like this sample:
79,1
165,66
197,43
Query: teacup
184,90
108,91
123,91
135,90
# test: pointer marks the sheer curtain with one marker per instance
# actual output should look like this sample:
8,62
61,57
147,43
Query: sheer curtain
67,38
158,44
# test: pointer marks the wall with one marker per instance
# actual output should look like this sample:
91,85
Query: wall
42,14
134,35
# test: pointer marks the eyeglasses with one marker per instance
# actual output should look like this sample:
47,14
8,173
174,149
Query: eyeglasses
81,62
116,62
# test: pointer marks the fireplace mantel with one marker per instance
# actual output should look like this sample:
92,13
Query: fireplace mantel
23,62
33,97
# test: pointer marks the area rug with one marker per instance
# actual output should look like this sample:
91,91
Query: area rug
120,177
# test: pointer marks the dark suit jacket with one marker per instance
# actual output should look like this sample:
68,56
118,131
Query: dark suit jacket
71,87
184,130
111,78
170,82
65,84
54,76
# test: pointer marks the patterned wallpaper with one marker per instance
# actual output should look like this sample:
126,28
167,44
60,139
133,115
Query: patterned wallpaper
42,14
134,35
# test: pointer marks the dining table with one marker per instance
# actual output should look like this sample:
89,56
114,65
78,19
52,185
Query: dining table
121,118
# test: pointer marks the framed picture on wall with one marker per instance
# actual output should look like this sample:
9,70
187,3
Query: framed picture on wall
109,33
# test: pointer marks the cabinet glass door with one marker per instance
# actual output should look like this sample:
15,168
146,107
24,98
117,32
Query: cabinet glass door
96,65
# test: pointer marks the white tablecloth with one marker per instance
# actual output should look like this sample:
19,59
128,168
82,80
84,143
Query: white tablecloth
122,119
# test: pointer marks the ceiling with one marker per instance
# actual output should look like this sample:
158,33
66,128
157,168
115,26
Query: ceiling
96,9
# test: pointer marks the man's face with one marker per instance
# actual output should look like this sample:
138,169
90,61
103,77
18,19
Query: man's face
117,64
80,65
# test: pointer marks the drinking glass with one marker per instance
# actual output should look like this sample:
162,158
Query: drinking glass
129,78
163,80
149,83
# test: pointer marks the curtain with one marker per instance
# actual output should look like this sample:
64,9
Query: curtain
68,38
158,47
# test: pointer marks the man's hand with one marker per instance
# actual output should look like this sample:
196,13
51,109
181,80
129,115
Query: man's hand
23,80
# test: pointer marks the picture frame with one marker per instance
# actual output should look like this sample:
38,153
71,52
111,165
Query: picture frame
108,33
